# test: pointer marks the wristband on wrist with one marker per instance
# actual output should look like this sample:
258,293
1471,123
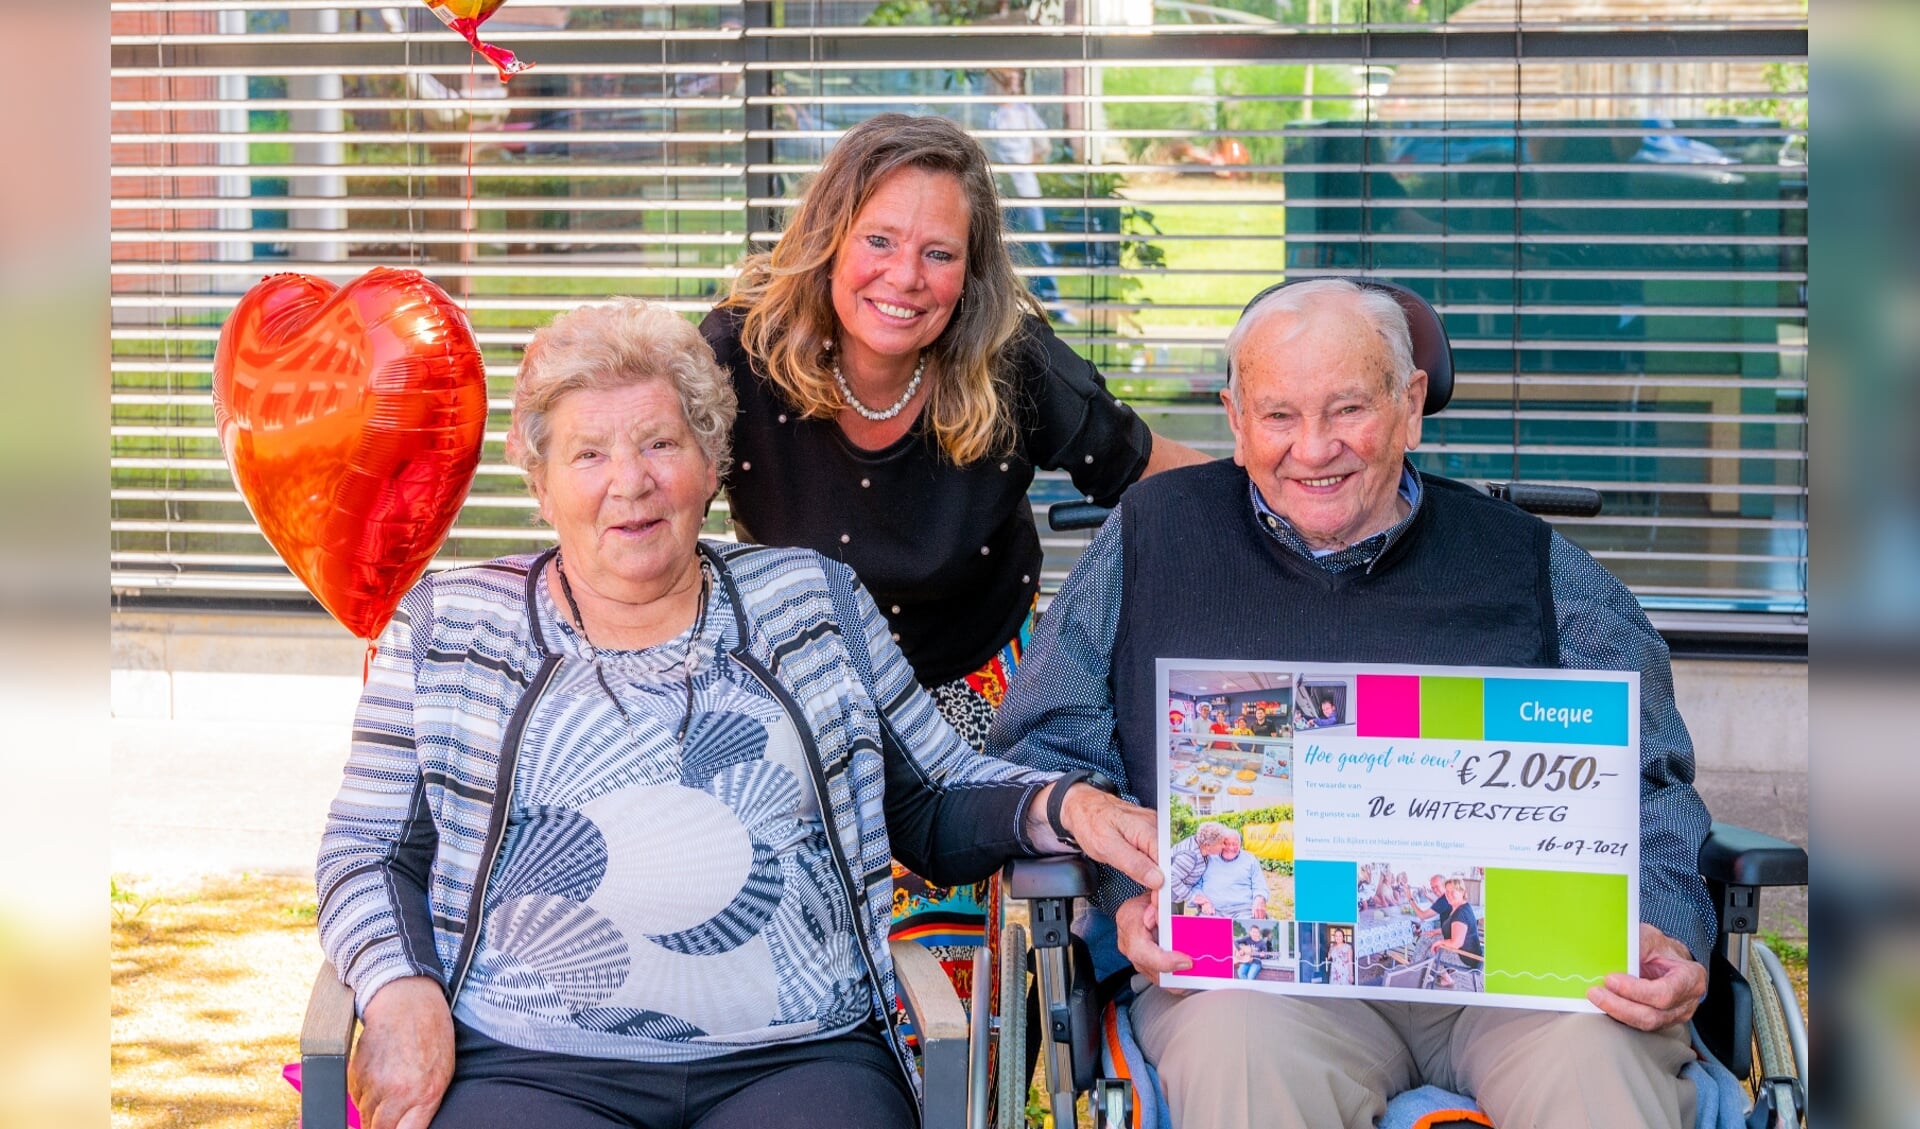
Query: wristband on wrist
1058,797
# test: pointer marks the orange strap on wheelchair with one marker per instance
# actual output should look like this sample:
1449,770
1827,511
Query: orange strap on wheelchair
1453,1117
1111,1028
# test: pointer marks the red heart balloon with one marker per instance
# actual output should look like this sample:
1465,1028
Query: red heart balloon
351,417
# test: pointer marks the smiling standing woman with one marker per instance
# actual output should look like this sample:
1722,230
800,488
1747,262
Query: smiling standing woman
898,388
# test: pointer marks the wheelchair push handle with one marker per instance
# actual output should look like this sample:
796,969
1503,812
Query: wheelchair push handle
1547,499
1542,498
1065,516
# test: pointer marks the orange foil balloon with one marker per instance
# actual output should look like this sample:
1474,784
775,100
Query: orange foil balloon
465,17
351,417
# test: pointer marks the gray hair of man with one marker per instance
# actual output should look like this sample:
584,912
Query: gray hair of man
1380,309
604,347
1209,833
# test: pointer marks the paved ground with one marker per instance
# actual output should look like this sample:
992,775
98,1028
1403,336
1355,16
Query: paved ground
1776,803
213,797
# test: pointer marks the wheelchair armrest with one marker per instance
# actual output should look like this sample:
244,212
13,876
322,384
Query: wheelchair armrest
326,1038
328,1027
1737,856
1054,876
941,1025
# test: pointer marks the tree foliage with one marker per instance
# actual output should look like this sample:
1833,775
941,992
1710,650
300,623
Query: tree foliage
1185,822
1240,103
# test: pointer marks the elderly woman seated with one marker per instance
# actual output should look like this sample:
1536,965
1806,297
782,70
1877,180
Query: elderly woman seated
613,844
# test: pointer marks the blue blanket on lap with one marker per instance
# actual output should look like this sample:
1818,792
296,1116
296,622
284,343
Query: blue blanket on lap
1720,1100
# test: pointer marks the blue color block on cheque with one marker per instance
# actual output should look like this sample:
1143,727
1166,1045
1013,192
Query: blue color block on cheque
1326,891
1556,711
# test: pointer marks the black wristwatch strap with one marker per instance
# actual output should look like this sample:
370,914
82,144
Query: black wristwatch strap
1058,797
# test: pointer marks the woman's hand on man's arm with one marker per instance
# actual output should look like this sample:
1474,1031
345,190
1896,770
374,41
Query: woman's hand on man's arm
403,1059
1109,830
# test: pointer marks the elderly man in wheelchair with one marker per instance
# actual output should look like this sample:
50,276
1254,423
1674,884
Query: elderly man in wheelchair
1357,557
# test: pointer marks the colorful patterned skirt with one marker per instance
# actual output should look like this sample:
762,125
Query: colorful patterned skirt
954,921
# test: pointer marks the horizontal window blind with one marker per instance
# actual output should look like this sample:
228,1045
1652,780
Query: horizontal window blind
1606,200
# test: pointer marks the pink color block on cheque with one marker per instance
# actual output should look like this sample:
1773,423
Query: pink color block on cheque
1388,705
1209,941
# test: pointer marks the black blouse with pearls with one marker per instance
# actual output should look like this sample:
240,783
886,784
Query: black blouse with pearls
949,552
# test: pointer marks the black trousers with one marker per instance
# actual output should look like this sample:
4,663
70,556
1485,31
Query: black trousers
847,1082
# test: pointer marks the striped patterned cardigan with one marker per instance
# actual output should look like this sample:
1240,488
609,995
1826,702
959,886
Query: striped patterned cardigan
418,821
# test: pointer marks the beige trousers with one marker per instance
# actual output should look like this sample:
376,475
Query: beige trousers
1233,1059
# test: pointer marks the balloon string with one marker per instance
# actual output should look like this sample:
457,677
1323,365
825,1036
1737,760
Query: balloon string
407,88
466,216
366,664
472,106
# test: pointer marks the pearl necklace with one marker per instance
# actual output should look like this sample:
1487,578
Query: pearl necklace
881,417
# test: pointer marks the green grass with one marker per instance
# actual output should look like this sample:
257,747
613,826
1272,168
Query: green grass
127,902
1789,952
1189,277
1225,248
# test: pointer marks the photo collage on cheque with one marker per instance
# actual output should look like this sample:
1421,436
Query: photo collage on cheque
1249,910
1230,799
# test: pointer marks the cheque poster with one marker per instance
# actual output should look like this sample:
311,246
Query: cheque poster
1464,835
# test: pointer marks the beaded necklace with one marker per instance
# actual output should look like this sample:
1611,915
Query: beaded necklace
699,621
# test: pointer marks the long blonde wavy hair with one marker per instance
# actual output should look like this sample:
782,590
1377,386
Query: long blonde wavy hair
788,292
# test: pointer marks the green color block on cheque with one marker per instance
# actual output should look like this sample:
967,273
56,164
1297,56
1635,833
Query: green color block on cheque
1452,708
1553,932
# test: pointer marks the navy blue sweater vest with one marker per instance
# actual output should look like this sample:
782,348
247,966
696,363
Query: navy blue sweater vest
1467,583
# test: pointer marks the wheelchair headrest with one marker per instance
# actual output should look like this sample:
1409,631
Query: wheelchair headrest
1432,352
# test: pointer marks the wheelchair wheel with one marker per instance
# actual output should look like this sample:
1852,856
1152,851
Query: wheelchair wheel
1776,1063
1010,1055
